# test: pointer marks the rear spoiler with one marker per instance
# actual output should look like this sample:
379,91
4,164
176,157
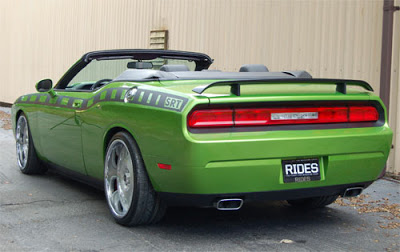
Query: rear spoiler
341,84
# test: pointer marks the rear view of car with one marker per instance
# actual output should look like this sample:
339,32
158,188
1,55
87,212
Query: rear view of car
156,128
307,141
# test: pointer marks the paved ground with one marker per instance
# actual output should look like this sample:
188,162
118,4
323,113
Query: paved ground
51,213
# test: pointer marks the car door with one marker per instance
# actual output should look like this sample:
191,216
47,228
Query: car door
60,131
60,120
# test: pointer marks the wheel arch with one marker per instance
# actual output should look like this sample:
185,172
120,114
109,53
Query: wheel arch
111,132
15,118
114,130
18,114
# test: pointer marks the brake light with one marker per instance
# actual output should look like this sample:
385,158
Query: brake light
363,114
252,117
211,118
241,117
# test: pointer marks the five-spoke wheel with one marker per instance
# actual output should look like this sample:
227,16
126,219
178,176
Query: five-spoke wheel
119,178
27,159
129,193
22,141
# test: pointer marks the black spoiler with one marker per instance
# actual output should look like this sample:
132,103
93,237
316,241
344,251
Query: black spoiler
341,84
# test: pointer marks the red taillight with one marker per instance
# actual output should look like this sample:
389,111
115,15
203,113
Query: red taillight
363,114
241,117
251,117
211,118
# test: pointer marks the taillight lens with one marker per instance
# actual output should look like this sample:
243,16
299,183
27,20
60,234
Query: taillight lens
363,114
241,117
251,117
211,118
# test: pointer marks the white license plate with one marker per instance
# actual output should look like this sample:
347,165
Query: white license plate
301,170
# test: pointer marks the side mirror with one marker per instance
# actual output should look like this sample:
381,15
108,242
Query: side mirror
46,85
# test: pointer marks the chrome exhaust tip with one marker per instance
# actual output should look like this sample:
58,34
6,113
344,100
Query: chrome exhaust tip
352,191
229,204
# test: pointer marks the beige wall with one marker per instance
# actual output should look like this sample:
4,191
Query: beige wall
394,121
42,38
338,38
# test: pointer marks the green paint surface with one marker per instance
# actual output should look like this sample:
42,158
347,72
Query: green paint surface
90,102
64,101
123,95
206,163
43,98
53,100
113,94
149,98
141,96
103,95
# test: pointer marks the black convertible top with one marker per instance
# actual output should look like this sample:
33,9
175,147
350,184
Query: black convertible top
140,75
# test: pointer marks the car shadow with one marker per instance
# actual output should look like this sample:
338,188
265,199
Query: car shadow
255,219
189,222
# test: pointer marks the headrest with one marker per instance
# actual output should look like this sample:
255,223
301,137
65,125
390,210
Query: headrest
299,74
253,68
174,68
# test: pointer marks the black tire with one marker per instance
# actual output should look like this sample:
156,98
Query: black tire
33,164
145,205
316,202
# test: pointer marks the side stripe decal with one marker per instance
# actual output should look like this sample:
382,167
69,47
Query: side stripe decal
160,100
142,97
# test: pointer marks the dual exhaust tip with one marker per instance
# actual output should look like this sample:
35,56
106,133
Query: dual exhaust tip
237,203
353,191
229,204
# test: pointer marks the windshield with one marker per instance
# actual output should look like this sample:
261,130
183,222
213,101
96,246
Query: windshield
109,69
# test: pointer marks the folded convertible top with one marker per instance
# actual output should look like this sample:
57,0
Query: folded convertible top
138,75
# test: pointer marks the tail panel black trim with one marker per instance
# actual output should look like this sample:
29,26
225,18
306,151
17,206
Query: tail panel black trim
207,200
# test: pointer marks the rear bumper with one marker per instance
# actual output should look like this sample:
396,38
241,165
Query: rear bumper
208,200
251,162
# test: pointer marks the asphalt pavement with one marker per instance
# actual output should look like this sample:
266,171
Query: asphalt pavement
53,213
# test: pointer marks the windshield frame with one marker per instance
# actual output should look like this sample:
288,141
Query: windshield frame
201,60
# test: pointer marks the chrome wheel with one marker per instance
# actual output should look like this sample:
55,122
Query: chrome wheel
22,139
119,178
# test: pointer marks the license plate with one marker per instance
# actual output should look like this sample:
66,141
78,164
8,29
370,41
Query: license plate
300,170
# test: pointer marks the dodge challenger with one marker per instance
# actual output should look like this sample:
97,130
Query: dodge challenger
156,128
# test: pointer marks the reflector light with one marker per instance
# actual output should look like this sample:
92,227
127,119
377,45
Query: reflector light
241,117
164,166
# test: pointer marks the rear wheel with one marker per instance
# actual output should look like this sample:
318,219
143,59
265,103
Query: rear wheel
315,202
129,193
27,159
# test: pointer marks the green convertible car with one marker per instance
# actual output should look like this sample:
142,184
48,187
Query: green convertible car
155,128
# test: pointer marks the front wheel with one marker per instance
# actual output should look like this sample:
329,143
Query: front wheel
315,202
129,193
27,158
